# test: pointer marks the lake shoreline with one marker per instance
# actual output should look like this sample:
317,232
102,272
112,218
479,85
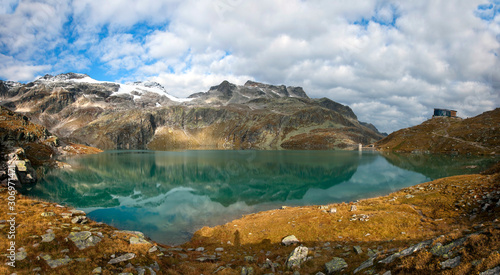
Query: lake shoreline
217,248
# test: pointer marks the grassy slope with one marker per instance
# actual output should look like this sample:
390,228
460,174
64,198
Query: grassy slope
477,135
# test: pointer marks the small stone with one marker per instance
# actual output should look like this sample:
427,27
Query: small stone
153,249
78,219
58,262
249,259
247,270
122,258
358,249
200,249
77,212
493,271
48,214
354,207
289,240
37,269
333,210
97,270
137,240
48,237
336,264
21,255
297,257
83,239
451,263
219,249
66,215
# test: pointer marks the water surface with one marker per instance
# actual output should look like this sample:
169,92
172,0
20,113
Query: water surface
170,195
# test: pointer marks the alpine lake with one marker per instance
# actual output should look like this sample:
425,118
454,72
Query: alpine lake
170,195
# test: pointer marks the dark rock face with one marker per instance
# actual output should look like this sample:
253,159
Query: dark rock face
142,115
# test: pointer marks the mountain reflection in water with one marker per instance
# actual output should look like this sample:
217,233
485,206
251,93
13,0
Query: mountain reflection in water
169,195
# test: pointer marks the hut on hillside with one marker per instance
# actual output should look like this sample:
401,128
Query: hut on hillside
444,112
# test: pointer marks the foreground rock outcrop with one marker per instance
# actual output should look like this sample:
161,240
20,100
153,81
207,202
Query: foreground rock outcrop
478,135
27,149
142,115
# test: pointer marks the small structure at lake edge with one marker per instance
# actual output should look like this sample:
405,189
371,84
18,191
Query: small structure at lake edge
444,112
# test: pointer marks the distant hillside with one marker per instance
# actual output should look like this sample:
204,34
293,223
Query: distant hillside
143,115
478,135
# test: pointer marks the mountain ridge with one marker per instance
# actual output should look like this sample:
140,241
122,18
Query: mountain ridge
143,115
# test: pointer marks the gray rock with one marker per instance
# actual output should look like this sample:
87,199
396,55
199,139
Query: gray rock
208,258
372,252
138,240
366,264
493,271
297,257
357,249
247,270
387,273
83,239
333,210
219,249
79,219
153,249
200,249
289,240
451,263
58,262
21,255
440,250
140,271
97,270
336,264
137,233
48,237
354,207
77,212
122,258
249,259
408,251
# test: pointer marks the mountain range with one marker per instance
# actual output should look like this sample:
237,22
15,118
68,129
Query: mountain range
143,115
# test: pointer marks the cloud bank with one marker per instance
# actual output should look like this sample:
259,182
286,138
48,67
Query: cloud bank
391,61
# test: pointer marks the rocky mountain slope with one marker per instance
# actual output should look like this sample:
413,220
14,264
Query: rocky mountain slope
478,135
26,146
142,115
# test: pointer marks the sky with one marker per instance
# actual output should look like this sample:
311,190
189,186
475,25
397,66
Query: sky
392,62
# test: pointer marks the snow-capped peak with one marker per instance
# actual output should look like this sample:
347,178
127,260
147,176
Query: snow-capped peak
140,87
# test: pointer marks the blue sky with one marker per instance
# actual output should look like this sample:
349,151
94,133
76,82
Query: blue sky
391,61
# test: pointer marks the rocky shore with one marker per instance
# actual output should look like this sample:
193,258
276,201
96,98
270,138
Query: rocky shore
447,226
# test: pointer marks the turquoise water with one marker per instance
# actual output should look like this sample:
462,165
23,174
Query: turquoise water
170,195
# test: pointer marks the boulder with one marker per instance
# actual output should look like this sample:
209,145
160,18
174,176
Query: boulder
297,257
